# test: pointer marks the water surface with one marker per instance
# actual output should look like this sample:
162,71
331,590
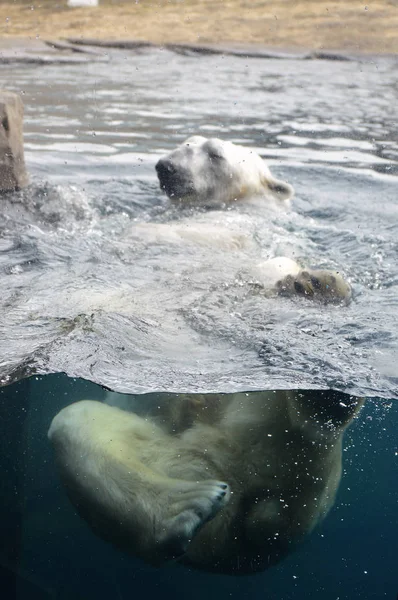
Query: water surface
85,293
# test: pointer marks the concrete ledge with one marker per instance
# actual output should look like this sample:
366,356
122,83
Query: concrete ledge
121,44
38,52
73,48
242,50
82,50
13,173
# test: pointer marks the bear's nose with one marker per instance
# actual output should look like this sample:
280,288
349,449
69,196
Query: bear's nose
165,168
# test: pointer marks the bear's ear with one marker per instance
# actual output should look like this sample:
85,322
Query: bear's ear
278,188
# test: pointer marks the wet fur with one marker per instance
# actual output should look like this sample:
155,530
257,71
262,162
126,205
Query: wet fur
227,484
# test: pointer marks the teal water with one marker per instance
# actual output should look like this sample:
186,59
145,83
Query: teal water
47,551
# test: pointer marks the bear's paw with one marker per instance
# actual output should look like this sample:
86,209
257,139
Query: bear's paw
191,507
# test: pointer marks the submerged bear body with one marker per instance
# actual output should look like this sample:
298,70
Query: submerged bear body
226,484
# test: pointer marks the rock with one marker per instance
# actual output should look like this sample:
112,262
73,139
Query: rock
13,173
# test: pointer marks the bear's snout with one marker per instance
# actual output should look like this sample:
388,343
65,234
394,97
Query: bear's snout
173,180
167,174
166,170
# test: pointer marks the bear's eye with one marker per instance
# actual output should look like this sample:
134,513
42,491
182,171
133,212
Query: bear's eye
215,155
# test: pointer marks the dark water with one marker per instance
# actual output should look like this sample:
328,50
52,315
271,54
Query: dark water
54,554
83,293
86,293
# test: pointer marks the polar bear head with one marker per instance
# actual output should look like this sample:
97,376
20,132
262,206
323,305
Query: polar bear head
211,171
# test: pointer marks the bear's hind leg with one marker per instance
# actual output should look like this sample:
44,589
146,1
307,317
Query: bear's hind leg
114,466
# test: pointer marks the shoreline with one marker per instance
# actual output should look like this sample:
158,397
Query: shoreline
289,26
22,50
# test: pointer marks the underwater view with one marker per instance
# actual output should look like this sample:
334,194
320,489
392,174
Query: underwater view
99,303
49,552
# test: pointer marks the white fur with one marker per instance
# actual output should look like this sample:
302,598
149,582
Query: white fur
193,231
268,273
211,171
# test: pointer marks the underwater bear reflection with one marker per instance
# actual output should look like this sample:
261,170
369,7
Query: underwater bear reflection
224,483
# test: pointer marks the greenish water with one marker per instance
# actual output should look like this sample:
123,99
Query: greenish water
47,551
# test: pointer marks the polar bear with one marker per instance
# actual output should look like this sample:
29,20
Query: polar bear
223,483
205,172
211,171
